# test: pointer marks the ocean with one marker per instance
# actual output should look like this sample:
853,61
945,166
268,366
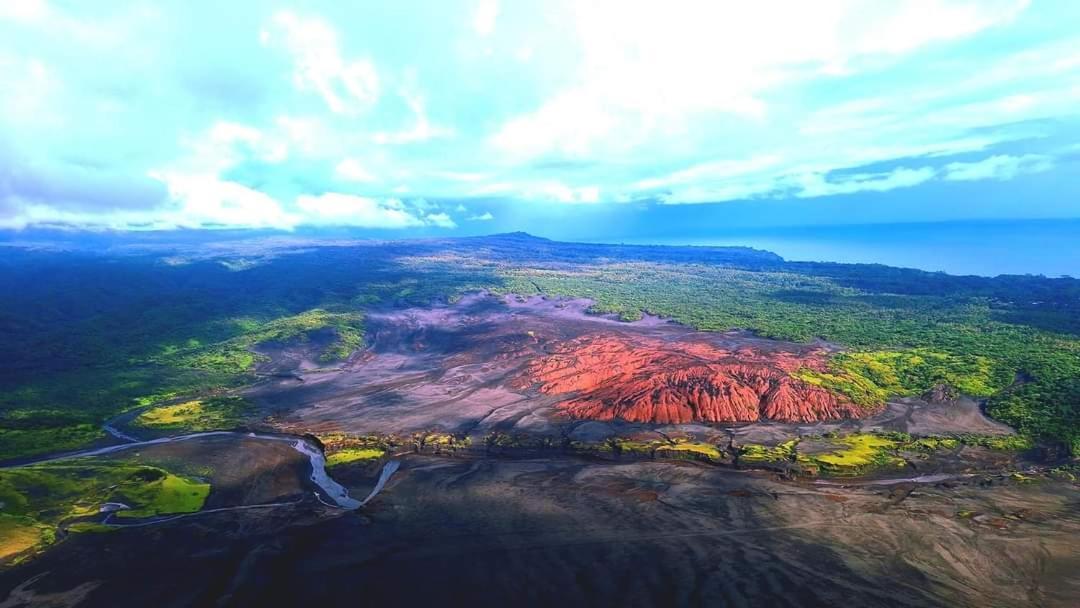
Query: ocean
987,248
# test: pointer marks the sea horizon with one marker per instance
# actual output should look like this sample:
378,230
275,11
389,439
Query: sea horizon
1047,247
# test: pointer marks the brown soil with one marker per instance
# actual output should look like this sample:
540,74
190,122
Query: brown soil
640,379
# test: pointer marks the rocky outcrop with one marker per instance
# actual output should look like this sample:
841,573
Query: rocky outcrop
941,393
616,376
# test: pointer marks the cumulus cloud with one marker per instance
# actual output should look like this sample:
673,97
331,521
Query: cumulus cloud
333,208
483,217
205,200
442,220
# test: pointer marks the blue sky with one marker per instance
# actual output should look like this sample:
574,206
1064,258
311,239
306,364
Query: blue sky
593,118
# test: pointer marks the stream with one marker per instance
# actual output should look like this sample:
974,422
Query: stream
332,489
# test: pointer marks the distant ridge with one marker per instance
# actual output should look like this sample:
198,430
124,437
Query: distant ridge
520,235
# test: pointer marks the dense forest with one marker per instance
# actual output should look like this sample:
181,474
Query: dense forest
89,332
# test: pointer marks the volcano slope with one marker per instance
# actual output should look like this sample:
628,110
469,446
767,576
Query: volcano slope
544,367
484,527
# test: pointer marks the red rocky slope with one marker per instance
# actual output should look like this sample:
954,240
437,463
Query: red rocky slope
609,376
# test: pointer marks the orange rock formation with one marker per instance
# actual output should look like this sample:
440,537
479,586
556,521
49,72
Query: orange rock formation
611,376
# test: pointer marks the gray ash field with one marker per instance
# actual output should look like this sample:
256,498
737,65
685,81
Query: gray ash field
535,532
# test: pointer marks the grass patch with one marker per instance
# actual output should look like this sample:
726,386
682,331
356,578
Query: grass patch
166,495
43,495
349,455
196,415
19,536
89,526
677,449
857,454
755,453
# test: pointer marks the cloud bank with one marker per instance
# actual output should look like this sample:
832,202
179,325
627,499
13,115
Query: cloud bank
431,116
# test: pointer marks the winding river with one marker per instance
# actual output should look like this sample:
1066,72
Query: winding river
330,488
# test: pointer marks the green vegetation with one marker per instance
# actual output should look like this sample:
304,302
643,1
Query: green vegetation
754,453
89,336
856,454
16,442
344,449
1043,410
35,499
678,448
213,413
348,455
166,494
20,536
65,412
860,453
692,449
870,377
234,355
968,334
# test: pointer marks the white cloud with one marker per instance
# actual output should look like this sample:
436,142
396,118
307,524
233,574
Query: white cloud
568,102
352,170
24,10
441,220
650,69
338,209
202,200
1000,167
568,124
484,17
483,217
346,85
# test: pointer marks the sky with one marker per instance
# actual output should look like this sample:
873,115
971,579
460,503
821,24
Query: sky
597,118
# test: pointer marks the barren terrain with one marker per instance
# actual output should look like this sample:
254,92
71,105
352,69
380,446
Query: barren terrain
537,532
545,367
482,524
